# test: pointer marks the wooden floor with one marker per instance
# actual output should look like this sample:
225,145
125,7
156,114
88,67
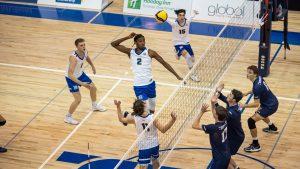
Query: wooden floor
34,100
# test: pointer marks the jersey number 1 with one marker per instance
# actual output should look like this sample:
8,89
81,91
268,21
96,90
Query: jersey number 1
145,125
224,135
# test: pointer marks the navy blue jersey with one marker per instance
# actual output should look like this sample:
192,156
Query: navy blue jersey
262,92
218,139
235,129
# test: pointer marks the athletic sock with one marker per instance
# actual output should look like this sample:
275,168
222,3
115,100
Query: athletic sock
69,115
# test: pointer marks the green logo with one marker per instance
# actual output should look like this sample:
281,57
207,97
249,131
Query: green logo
134,4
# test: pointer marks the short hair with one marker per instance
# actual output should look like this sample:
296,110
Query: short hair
178,11
138,107
138,36
254,69
79,40
222,113
237,95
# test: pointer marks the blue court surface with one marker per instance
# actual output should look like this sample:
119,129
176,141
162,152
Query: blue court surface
121,20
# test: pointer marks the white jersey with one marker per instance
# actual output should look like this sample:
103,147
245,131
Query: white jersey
150,137
79,64
180,32
142,67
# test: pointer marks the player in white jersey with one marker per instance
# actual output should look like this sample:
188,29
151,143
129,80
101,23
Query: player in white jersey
75,78
181,41
141,60
148,145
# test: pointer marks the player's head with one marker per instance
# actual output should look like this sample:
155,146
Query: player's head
221,113
180,14
252,72
80,44
138,107
139,41
234,96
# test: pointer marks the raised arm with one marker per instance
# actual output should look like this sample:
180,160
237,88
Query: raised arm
196,124
195,12
220,94
156,56
214,104
128,119
164,128
121,48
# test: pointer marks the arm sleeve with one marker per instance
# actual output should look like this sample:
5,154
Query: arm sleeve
209,128
223,98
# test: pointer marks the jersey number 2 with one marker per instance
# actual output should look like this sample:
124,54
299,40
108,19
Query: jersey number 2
182,31
139,61
145,125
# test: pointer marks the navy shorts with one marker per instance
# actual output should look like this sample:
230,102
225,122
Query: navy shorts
146,155
180,48
145,92
234,145
267,111
73,86
219,163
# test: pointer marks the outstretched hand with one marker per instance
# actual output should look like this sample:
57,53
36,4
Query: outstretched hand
220,87
174,116
204,108
117,103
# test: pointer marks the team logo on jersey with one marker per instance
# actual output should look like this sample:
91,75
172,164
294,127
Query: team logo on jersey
134,4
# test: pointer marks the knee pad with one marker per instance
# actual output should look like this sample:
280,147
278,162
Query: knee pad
2,123
151,104
251,123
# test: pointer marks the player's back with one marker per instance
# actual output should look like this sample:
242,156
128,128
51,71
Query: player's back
180,32
142,67
235,129
79,64
150,137
262,91
218,139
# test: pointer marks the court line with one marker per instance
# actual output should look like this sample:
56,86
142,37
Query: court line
35,116
124,79
85,118
280,134
77,127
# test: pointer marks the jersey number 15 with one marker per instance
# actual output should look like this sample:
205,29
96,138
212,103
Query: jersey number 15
181,31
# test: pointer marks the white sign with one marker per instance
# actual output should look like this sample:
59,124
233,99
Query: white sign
85,4
150,7
222,11
209,10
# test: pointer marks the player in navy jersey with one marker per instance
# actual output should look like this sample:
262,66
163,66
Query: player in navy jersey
2,123
235,133
265,101
217,136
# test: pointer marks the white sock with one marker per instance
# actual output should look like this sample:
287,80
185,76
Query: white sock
188,59
69,115
270,123
255,138
94,104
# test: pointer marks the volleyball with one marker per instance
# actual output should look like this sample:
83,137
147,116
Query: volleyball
161,16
